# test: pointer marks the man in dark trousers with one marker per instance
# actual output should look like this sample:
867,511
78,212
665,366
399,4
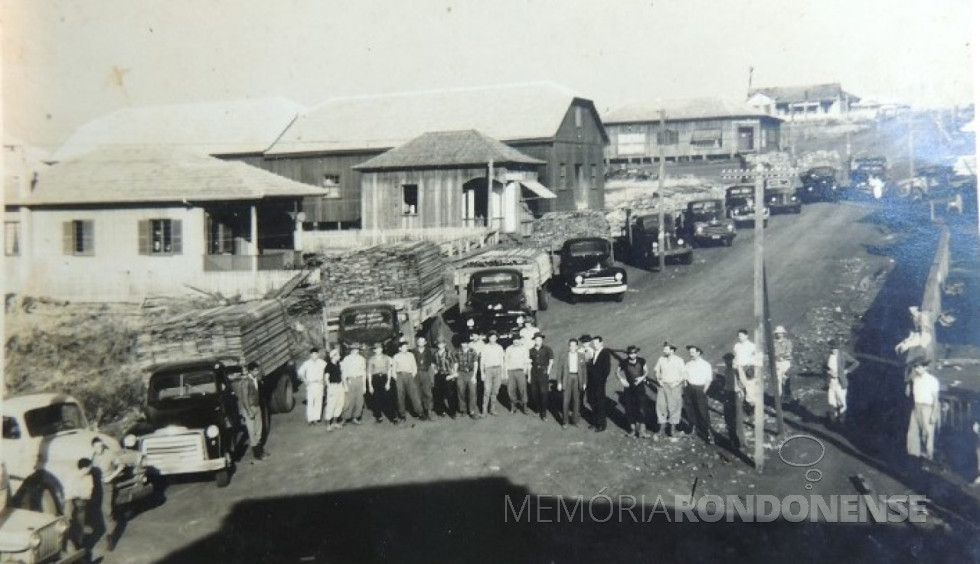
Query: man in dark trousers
542,359
425,361
598,372
572,367
632,374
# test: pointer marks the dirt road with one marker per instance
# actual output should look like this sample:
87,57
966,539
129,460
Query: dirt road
437,491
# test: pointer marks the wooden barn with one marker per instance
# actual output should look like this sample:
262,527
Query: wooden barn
451,179
325,145
694,129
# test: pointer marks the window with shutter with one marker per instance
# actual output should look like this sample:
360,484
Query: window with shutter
176,231
143,236
78,237
160,237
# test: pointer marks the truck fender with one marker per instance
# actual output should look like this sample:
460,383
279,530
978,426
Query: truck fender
39,491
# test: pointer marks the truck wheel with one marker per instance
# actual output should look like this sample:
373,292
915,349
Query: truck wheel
222,478
620,297
798,209
572,298
542,299
40,492
687,259
729,241
283,400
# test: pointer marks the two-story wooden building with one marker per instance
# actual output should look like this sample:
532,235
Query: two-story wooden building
809,102
324,145
694,129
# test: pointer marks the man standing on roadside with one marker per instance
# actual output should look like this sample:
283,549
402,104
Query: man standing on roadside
632,374
572,368
492,371
406,381
784,360
445,364
246,389
839,366
744,362
311,372
669,373
425,360
468,363
599,368
354,370
924,391
542,359
518,363
380,372
698,376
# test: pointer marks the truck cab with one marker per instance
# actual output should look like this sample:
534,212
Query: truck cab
497,300
820,184
740,201
784,195
705,222
646,245
44,437
191,420
370,324
586,268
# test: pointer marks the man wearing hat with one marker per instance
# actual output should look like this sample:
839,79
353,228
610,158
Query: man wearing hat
632,374
542,359
784,360
353,369
924,391
840,364
669,372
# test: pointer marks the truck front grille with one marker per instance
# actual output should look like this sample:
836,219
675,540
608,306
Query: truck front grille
711,230
599,281
50,541
173,449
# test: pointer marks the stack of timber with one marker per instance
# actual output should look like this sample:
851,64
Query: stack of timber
397,271
535,263
554,228
254,331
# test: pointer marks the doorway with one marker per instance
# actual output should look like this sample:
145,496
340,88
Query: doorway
746,139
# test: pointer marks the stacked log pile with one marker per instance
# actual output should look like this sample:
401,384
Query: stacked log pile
387,272
254,331
554,228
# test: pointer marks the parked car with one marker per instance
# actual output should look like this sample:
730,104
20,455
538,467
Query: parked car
705,222
497,299
586,268
31,536
784,195
44,437
191,420
646,247
740,201
820,185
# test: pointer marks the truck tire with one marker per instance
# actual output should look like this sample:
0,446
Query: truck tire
283,399
222,478
542,299
620,297
729,241
687,259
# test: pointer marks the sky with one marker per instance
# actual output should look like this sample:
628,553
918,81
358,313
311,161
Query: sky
66,62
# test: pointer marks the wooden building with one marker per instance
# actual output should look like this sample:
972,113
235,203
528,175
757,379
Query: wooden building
450,179
120,224
694,129
324,146
810,102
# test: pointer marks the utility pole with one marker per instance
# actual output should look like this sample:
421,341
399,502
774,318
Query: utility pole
911,148
761,307
660,193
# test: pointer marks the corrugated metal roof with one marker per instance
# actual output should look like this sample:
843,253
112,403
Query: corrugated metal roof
682,109
160,174
805,93
447,148
505,112
210,128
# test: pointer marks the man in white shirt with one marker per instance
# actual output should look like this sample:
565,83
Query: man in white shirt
924,390
492,371
840,364
518,363
353,369
744,362
311,372
669,372
698,375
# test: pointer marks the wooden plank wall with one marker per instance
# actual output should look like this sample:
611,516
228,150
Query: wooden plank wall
685,129
440,197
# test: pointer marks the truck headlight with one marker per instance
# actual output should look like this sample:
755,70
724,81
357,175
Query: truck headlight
498,307
34,540
211,431
618,277
653,245
470,323
61,526
700,229
793,198
730,227
579,279
129,441
680,241
520,319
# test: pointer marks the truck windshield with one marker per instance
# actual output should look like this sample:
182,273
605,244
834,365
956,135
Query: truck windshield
367,319
822,171
705,211
496,282
54,418
588,248
182,384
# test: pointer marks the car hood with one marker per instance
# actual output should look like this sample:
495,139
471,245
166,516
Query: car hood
582,264
17,525
192,412
70,446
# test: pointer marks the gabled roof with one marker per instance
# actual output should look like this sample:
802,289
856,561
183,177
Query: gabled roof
448,148
154,175
211,128
805,93
683,109
506,112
